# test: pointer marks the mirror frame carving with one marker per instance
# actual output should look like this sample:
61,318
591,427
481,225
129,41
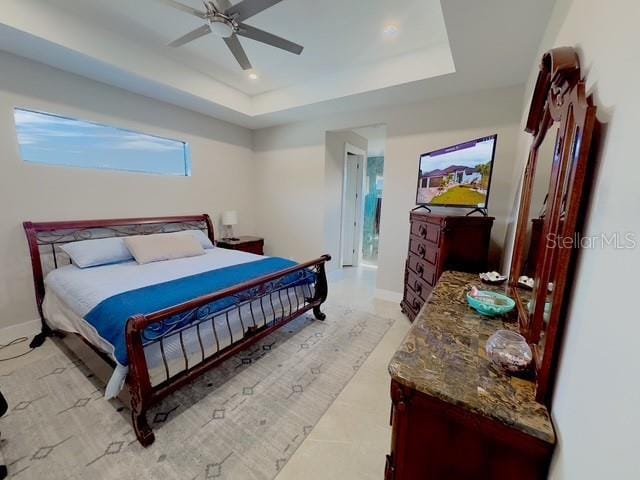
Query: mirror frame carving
559,100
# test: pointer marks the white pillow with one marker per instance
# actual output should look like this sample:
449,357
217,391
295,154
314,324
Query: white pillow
101,251
162,246
202,238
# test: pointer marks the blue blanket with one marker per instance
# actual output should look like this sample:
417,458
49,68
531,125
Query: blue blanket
110,316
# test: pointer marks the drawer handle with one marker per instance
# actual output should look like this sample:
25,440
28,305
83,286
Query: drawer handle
422,231
421,250
417,287
419,268
416,305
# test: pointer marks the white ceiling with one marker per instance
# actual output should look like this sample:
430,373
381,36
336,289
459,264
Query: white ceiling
347,63
332,42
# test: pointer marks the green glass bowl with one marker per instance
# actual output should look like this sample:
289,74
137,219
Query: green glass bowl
495,304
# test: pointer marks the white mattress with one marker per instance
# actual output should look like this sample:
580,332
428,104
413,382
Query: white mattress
71,293
83,289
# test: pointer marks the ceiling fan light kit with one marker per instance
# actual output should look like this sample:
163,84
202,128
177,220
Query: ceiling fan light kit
222,27
224,20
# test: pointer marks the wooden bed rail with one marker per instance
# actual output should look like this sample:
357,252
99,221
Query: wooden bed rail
143,394
140,322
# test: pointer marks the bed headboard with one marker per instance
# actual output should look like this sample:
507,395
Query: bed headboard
45,238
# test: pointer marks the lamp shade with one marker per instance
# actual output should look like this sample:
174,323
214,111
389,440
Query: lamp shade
230,217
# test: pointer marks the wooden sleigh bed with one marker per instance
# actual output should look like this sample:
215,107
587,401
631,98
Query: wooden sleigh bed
262,304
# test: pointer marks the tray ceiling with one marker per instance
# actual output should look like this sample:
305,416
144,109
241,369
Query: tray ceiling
347,55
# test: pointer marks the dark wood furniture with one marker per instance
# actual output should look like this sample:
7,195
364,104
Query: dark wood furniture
559,107
453,416
154,329
535,238
244,243
438,243
3,409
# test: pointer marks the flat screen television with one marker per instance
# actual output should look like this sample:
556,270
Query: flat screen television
457,176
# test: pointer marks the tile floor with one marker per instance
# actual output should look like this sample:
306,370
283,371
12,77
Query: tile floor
352,438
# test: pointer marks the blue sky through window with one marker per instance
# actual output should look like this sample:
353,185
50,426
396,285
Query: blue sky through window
55,140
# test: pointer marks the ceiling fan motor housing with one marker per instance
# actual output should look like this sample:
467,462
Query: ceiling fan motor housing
226,21
222,26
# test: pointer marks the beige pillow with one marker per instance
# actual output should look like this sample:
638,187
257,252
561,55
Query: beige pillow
162,246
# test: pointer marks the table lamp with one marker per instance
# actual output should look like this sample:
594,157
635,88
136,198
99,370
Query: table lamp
229,219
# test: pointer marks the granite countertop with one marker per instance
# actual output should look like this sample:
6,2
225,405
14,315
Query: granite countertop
443,356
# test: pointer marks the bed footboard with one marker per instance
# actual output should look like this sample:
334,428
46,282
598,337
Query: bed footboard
262,305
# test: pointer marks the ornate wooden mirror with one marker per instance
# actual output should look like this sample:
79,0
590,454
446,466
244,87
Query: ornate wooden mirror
562,120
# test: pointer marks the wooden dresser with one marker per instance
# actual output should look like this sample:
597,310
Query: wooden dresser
453,415
438,243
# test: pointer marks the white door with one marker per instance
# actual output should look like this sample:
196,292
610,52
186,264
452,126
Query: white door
350,210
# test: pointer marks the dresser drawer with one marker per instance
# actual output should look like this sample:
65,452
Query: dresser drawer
407,309
419,286
413,301
253,247
423,270
424,250
426,231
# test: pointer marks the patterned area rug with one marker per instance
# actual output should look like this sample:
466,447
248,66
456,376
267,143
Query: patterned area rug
241,421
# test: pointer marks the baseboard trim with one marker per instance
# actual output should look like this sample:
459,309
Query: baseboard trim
25,329
388,295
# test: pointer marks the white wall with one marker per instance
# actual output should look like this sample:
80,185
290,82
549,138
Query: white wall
221,166
376,136
290,161
596,406
290,189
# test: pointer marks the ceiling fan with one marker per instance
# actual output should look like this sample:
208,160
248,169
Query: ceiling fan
226,21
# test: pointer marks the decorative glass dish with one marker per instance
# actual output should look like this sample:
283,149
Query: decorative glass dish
489,303
509,351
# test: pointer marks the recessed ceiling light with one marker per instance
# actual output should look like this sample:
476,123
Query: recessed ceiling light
391,30
253,76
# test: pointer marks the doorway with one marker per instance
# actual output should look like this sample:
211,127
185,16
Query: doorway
373,187
352,206
372,196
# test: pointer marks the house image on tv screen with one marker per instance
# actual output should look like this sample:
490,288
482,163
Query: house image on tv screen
455,185
456,176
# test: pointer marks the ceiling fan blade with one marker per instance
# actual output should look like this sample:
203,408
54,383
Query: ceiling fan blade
269,38
249,8
197,33
184,8
234,45
222,5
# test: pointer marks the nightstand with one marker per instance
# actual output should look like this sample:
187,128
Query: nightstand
244,243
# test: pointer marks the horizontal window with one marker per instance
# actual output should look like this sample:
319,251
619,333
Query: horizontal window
55,140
